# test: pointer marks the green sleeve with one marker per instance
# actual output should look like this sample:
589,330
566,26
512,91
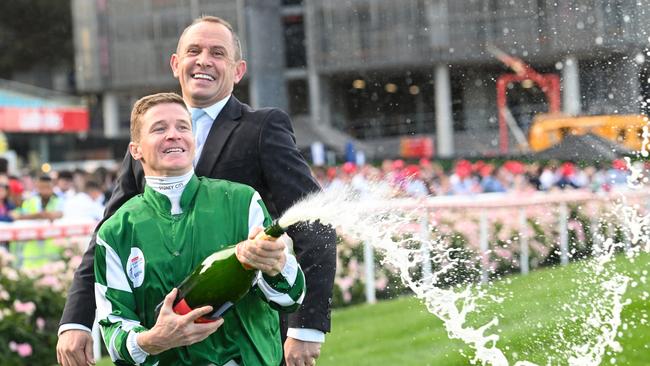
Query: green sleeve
115,306
286,290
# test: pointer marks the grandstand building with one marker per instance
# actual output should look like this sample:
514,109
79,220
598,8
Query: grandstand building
376,71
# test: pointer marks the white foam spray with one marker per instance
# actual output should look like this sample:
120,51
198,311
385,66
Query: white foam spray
375,216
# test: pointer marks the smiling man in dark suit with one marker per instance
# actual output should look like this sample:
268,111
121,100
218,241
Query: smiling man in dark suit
238,143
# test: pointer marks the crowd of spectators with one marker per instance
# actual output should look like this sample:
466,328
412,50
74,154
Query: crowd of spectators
427,178
82,195
58,195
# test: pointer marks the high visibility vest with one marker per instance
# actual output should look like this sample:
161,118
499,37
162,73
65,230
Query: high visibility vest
36,253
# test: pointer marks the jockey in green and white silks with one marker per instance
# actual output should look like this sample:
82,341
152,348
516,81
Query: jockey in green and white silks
155,240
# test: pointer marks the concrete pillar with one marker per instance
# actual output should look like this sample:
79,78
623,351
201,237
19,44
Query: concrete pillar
319,101
265,56
625,85
111,115
44,148
571,87
444,122
314,96
195,11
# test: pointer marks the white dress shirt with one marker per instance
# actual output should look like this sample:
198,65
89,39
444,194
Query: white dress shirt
202,120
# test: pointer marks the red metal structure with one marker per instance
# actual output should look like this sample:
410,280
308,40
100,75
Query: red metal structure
548,83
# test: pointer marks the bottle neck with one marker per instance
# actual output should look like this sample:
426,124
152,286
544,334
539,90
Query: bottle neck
274,230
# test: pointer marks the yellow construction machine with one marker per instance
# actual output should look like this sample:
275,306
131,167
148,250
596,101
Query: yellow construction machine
549,129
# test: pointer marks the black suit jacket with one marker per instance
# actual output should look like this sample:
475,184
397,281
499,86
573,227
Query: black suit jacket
254,147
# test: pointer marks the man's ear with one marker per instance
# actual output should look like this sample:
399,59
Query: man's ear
173,62
134,150
240,70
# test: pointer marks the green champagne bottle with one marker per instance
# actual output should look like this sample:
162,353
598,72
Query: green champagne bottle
220,281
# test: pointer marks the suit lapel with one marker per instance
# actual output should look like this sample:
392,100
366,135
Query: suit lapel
219,133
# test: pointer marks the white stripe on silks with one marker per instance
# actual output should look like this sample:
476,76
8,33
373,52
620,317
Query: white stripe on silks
271,294
115,276
255,213
104,307
290,269
112,351
104,310
302,297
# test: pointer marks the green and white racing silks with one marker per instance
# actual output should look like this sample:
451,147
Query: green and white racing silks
144,251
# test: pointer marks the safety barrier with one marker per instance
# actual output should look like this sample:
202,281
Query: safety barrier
43,229
484,205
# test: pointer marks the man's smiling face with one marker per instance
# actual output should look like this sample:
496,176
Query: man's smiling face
206,64
166,144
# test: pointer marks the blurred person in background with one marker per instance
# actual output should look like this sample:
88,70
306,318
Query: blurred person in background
106,179
462,181
397,175
64,187
331,173
6,206
437,180
415,186
595,178
16,191
427,172
87,204
617,174
533,171
79,178
340,177
489,181
45,205
581,178
27,179
567,174
548,176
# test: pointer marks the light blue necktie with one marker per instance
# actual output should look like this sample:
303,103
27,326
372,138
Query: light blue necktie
199,128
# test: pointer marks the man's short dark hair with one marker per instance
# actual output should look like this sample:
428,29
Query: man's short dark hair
92,185
45,178
65,174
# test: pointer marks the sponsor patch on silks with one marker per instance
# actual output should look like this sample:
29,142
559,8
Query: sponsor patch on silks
135,267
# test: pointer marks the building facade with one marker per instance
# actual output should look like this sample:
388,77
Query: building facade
375,71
